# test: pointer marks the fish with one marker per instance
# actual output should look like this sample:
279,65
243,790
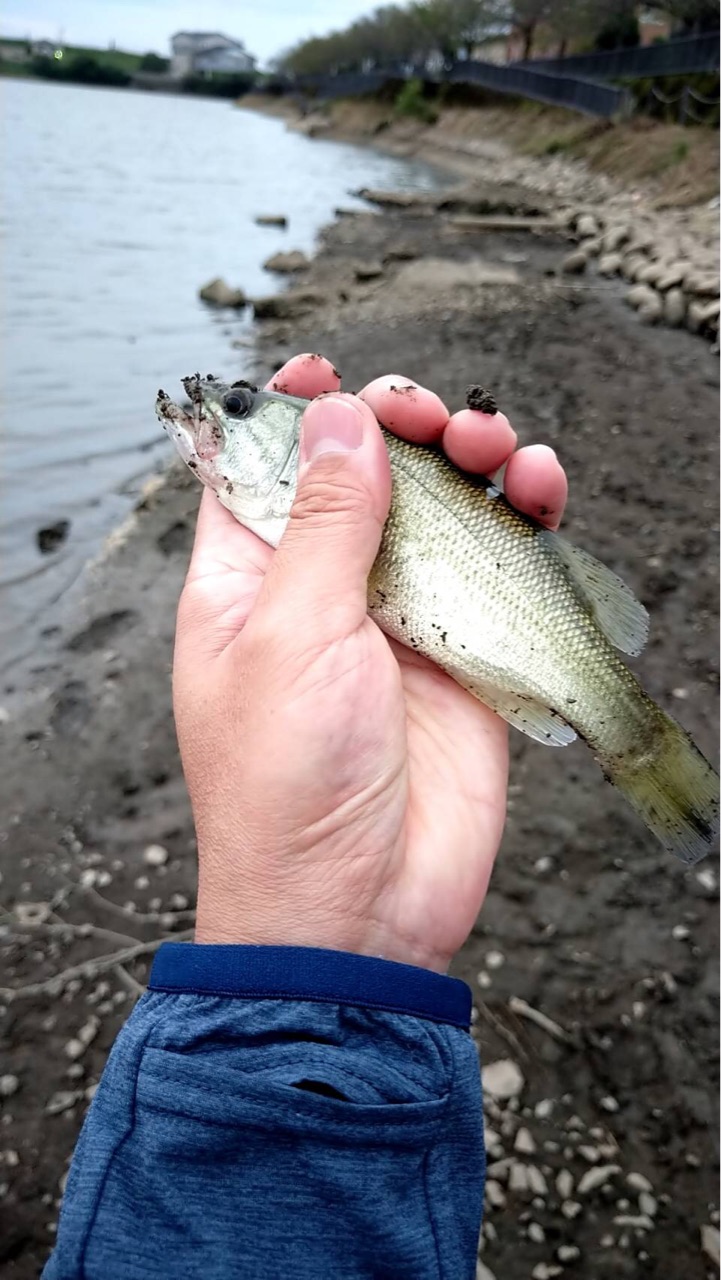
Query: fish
527,622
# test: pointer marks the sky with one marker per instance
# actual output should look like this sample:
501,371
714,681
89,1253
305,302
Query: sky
266,27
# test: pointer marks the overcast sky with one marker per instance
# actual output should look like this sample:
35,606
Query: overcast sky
265,26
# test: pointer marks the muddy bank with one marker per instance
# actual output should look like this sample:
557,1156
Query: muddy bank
587,923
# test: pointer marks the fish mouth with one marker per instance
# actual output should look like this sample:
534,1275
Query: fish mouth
198,433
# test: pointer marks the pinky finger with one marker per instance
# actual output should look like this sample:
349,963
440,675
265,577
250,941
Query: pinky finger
536,484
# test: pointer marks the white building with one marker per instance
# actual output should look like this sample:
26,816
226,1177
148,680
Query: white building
202,52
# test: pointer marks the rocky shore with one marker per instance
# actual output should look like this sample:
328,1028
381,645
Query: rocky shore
594,961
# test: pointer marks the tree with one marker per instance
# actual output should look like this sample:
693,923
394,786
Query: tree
527,15
154,63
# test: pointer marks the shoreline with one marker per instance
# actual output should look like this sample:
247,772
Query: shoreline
594,928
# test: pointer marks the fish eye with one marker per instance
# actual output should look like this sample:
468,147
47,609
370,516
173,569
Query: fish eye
238,404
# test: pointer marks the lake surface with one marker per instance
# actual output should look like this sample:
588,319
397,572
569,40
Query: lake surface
119,205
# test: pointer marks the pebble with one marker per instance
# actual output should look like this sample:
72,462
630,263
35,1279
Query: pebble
674,309
595,1178
574,263
648,1204
586,225
536,1181
637,1182
524,1142
564,1184
543,1109
495,1195
609,264
495,960
503,1079
179,902
62,1101
680,932
536,1233
8,1086
568,1253
571,1209
517,1177
142,882
706,878
609,1104
591,1154
500,1169
615,237
484,980
638,1222
76,1047
546,1271
710,1243
155,855
543,865
493,1143
88,878
674,274
607,1241
483,1272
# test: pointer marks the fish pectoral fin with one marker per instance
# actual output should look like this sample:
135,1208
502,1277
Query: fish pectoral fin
537,721
621,617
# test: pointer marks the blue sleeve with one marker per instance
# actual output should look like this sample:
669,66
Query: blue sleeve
269,1111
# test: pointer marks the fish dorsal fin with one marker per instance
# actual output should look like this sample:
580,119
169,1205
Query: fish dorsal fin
523,712
621,617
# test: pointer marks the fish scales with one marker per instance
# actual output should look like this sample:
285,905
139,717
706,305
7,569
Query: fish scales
528,623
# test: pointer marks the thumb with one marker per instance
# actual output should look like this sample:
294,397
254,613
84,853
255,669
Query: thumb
319,575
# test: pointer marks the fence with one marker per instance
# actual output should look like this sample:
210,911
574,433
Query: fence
582,95
674,57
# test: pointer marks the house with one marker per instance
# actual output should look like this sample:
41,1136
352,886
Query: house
203,52
43,49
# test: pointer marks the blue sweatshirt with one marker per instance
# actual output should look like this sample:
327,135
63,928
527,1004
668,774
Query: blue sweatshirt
273,1111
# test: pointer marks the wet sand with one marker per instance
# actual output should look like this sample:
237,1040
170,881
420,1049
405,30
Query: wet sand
587,921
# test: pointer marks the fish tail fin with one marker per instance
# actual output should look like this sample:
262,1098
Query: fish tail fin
675,790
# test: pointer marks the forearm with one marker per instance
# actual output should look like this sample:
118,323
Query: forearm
269,1107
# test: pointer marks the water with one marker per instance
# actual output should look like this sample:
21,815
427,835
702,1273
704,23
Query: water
119,206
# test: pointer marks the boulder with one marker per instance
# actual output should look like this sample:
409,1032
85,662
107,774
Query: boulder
287,263
271,220
221,294
286,306
674,307
610,264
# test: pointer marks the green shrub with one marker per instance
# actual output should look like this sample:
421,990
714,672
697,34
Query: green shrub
411,101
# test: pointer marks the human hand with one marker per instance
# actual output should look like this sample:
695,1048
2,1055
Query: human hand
346,793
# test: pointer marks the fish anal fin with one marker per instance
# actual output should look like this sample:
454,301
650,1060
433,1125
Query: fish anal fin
621,617
527,714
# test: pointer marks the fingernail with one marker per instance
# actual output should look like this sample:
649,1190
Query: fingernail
330,426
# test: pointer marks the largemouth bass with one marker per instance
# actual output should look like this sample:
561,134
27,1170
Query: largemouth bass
525,621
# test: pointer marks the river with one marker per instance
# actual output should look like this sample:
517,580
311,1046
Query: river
119,206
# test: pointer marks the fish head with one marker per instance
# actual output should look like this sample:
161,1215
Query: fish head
242,443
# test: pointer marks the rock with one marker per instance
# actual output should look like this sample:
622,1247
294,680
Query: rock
495,960
287,306
271,220
632,263
499,1169
608,1103
639,295
651,272
674,307
30,913
575,263
220,294
536,1232
703,284
592,248
8,1086
52,536
614,237
610,264
536,1181
568,1253
63,1100
673,274
706,878
652,310
637,1182
571,1209
648,1204
155,855
401,253
543,1109
517,1179
564,1184
702,315
680,932
586,225
368,270
287,263
638,1222
546,1271
495,1195
598,1177
710,1243
524,1142
503,1079
483,1272
388,199
591,1154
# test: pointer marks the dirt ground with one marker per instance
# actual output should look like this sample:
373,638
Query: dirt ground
587,921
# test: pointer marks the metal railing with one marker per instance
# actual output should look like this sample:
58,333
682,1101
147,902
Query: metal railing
674,57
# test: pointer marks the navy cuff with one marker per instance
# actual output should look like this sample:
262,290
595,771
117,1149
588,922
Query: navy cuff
308,973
